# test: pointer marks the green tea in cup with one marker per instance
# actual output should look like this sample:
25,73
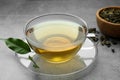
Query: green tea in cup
56,37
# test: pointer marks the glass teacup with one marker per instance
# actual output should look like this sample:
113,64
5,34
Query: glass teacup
56,37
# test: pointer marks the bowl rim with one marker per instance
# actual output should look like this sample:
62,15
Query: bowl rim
98,16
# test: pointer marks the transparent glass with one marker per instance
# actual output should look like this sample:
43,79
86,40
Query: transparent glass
56,38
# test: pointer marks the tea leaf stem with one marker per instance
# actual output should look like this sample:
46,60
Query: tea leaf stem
34,63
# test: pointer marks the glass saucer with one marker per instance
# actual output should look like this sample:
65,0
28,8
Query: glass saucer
73,69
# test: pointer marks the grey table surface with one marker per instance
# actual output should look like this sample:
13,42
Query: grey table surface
14,14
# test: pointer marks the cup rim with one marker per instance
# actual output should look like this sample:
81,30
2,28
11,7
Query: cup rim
67,14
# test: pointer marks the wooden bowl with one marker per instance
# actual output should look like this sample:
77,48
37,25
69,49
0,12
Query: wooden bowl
106,27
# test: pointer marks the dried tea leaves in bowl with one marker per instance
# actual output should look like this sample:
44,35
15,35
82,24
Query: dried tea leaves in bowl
111,15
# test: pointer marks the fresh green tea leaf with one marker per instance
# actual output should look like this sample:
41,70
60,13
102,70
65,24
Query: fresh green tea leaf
17,45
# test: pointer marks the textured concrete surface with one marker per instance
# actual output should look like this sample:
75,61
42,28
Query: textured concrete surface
14,14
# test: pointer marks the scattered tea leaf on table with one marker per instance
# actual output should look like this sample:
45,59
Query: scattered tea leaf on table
92,30
95,39
113,50
114,42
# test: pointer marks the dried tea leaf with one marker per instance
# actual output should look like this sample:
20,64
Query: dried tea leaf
113,50
92,30
114,42
111,15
